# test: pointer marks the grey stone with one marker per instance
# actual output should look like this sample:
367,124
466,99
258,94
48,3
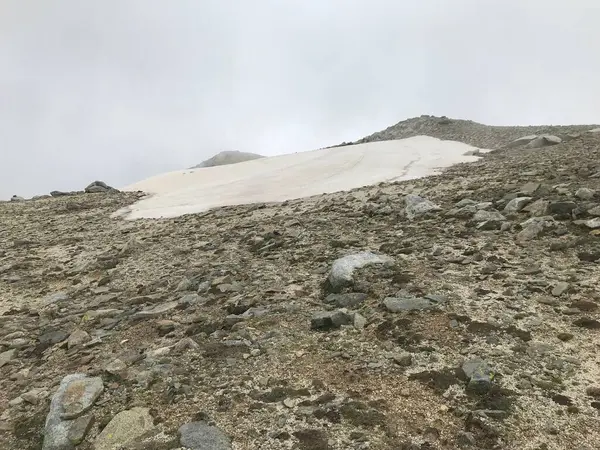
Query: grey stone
517,204
359,321
78,338
53,337
202,436
595,211
328,320
95,190
585,193
417,206
343,268
79,428
464,212
125,428
58,297
79,394
561,208
350,300
156,310
593,223
405,304
465,202
530,188
16,198
479,374
75,395
560,289
537,208
483,215
7,356
59,194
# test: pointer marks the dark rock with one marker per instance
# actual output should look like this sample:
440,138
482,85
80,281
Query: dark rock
561,209
328,320
587,322
350,300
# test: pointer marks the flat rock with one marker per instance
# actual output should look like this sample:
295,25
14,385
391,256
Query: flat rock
343,268
124,428
156,310
405,304
585,193
545,140
201,436
7,356
517,204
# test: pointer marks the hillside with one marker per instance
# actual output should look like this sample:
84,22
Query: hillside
473,322
227,157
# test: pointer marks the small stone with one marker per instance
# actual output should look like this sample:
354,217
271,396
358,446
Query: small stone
78,338
489,216
7,356
465,439
587,322
350,300
328,320
116,367
359,321
585,193
593,223
584,305
479,374
417,206
156,310
560,289
124,428
79,428
403,359
561,209
405,304
517,204
34,396
593,391
565,337
201,436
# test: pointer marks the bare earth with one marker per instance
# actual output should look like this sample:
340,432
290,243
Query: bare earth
213,317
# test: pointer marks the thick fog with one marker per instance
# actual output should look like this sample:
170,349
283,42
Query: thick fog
121,90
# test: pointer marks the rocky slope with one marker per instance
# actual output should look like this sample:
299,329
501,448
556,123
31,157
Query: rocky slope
456,311
228,157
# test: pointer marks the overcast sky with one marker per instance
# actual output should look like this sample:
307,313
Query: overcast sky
119,90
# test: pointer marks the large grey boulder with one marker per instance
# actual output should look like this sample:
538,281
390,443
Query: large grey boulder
76,394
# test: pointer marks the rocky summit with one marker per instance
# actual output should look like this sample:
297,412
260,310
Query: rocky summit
458,311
